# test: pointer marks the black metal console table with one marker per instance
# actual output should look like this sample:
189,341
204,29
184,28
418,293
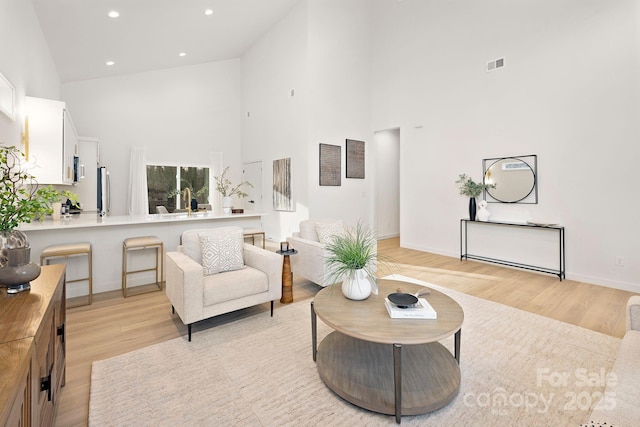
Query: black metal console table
560,271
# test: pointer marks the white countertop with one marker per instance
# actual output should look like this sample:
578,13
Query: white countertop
93,220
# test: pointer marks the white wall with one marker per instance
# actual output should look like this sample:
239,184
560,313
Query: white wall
274,122
569,93
322,52
180,115
340,104
25,61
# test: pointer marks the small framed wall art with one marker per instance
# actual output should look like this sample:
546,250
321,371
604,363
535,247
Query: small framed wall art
330,159
282,185
355,159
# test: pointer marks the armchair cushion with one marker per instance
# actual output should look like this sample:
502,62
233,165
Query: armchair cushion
221,250
233,285
190,240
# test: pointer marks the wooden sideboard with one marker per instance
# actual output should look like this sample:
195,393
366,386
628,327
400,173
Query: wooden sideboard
32,350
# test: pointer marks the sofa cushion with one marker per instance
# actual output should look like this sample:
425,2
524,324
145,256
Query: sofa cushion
232,285
221,250
308,230
308,227
327,230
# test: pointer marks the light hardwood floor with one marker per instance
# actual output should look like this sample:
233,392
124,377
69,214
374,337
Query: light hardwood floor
113,325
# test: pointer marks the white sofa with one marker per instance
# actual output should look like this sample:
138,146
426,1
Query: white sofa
196,296
309,262
621,403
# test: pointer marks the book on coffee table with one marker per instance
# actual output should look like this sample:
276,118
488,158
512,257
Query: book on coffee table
422,310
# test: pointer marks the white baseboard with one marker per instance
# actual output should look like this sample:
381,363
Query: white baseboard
598,281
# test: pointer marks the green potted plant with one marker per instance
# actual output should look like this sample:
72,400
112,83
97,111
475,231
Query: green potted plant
353,258
468,187
21,200
61,198
226,188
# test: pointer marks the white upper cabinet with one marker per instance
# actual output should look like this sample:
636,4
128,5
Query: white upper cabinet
52,141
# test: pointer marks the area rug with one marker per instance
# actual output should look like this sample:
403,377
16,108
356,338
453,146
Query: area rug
517,368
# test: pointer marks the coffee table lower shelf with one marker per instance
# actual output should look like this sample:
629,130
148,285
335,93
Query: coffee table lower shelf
362,372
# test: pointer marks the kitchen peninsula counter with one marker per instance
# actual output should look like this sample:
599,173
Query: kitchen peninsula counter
94,220
106,235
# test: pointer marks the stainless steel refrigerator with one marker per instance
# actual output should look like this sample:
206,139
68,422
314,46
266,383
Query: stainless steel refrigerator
104,190
88,153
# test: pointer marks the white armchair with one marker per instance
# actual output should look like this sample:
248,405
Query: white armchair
202,286
309,262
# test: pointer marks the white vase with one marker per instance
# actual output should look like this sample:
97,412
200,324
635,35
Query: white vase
227,205
57,207
483,213
357,285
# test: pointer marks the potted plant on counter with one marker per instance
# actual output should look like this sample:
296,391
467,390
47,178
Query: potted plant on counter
21,200
226,188
470,188
63,198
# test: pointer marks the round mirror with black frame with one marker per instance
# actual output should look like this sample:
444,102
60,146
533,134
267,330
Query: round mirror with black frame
515,179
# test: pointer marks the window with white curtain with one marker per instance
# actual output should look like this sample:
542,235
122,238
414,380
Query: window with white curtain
166,186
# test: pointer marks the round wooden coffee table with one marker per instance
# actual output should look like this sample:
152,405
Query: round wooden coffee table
385,365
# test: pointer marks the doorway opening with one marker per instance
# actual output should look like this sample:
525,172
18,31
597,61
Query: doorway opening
387,209
252,172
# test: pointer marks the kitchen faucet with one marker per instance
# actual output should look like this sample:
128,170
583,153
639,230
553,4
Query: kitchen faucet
187,200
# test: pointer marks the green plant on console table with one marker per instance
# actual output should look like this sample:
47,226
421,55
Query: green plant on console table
468,187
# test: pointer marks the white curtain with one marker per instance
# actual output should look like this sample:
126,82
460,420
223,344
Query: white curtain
138,196
215,170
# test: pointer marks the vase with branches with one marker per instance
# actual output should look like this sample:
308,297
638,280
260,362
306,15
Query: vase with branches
21,200
468,187
227,189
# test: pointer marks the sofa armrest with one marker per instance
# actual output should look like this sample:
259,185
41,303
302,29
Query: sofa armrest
310,261
299,243
268,262
633,313
185,286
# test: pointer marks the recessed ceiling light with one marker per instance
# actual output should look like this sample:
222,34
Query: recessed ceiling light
182,54
109,63
113,14
208,12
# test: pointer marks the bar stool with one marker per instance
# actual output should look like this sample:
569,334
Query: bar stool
253,232
70,250
141,243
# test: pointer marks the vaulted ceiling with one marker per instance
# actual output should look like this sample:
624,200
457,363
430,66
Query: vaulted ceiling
150,34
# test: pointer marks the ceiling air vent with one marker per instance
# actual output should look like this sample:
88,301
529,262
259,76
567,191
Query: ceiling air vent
495,64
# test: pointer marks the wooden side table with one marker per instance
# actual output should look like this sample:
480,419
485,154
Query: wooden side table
287,276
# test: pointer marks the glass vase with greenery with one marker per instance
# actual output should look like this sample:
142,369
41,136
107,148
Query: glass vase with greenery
226,187
468,187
